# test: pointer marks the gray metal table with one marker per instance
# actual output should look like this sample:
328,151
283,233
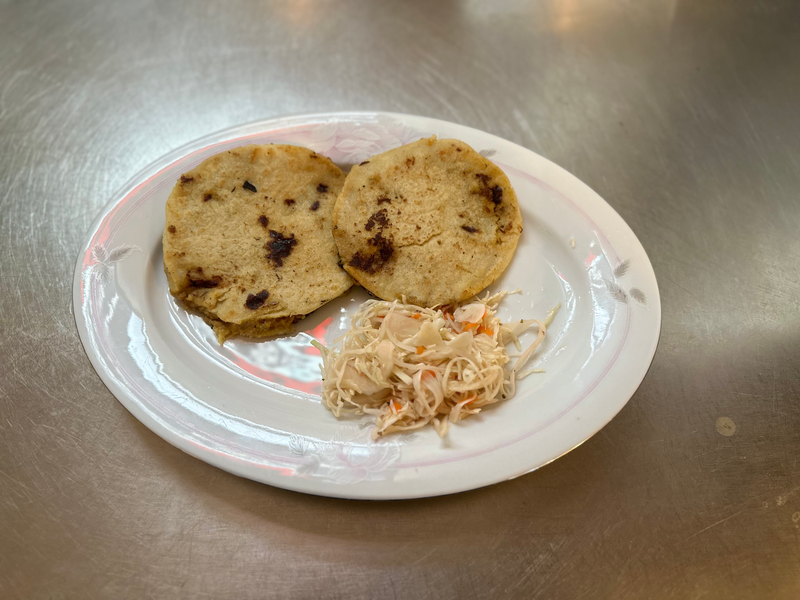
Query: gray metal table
683,115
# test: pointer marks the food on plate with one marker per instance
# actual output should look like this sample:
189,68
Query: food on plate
410,366
433,221
248,242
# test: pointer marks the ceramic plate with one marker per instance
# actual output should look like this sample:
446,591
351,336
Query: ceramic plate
252,408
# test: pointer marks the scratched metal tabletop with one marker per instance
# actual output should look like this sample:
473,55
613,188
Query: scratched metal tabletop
683,115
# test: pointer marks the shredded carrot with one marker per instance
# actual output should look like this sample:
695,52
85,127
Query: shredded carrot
458,371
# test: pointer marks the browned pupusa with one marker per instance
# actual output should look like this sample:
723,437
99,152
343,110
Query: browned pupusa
433,220
247,240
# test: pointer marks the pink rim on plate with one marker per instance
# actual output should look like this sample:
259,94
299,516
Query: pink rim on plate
253,408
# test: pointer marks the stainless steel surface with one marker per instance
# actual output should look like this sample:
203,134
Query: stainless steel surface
681,114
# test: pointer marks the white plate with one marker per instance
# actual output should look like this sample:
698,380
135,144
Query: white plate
252,408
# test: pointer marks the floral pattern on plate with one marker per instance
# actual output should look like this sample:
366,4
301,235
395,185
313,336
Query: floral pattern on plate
253,410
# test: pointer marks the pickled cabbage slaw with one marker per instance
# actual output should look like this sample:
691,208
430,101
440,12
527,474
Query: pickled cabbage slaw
410,366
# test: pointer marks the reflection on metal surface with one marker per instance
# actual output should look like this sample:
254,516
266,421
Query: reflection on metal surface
581,17
565,14
298,12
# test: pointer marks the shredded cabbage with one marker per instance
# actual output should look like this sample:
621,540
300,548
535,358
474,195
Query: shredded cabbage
410,366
